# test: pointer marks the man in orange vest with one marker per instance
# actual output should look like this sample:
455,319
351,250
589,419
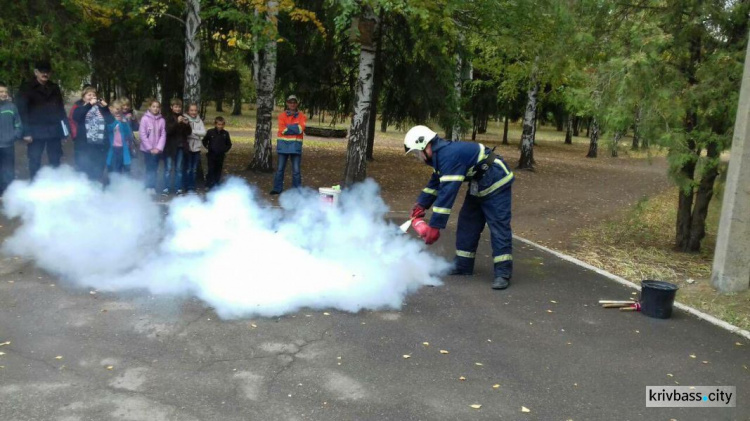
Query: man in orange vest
289,144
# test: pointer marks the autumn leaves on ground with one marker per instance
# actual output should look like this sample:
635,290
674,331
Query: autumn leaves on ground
614,213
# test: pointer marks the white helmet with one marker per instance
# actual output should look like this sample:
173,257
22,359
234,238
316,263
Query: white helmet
417,138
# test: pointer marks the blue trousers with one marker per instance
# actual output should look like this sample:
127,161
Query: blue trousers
492,210
7,166
278,179
191,166
151,162
173,162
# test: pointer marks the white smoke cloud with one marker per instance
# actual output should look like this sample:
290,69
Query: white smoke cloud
232,250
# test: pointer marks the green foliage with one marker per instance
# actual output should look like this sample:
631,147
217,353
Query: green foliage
31,30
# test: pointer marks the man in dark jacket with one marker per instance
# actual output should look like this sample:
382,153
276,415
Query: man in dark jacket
45,125
218,143
488,200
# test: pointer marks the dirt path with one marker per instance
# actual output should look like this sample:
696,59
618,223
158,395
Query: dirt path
566,192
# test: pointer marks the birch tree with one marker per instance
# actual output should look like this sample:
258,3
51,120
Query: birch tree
192,90
356,162
262,159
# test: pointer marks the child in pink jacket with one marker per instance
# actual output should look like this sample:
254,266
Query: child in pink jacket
153,138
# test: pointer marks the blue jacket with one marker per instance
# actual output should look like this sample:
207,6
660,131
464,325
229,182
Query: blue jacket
454,163
10,124
126,133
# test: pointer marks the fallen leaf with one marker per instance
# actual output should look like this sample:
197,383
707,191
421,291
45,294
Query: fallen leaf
489,340
670,374
92,292
704,362
5,343
496,386
110,367
326,314
633,293
525,409
692,356
575,384
442,351
476,406
637,331
690,280
2,353
59,357
407,356
479,364
570,343
553,301
426,343
738,343
253,325
550,311
462,378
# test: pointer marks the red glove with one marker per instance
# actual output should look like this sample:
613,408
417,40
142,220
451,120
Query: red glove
417,211
428,233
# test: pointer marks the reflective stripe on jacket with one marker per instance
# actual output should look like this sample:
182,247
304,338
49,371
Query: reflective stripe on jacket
454,163
290,133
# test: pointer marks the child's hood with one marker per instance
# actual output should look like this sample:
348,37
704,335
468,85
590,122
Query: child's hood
153,116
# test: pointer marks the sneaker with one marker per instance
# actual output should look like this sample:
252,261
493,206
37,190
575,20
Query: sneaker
165,192
274,192
459,272
500,283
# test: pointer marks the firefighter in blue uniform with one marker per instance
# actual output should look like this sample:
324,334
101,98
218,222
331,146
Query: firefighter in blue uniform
487,201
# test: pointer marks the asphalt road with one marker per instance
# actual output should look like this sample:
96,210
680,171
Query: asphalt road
545,342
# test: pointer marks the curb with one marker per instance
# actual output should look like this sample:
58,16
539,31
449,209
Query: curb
697,313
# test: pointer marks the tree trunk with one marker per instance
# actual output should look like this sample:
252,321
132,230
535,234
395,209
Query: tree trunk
262,159
569,130
192,88
703,198
356,163
616,143
636,129
375,93
505,131
529,125
593,128
237,109
220,103
576,125
685,203
456,129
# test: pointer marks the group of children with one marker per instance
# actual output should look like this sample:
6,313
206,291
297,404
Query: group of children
177,140
105,137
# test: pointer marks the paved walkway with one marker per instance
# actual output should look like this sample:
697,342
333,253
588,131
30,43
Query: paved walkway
544,341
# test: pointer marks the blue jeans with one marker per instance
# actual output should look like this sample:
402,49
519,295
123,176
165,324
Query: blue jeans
278,179
191,166
173,162
151,162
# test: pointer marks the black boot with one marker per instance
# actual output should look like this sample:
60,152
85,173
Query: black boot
458,272
500,283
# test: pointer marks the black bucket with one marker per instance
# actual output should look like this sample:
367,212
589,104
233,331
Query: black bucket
657,298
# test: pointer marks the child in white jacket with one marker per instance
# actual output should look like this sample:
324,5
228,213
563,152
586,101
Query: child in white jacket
193,156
